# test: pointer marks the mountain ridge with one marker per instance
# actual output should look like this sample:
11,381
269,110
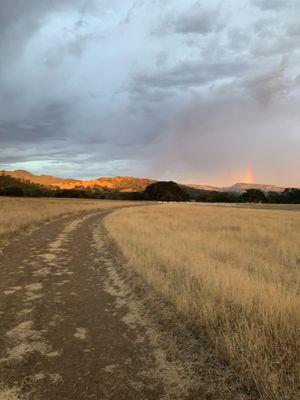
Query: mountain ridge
239,187
122,184
127,183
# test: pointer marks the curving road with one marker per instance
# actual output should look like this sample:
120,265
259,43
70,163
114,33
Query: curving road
66,331
72,327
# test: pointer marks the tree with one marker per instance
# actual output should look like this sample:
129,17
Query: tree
254,196
274,197
213,196
165,191
11,186
291,195
14,191
71,193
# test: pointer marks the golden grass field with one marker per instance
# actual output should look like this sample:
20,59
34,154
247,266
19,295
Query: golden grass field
19,214
233,272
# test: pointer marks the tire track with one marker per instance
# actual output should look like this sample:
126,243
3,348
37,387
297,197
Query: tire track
70,326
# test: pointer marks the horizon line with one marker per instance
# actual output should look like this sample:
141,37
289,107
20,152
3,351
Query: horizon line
222,186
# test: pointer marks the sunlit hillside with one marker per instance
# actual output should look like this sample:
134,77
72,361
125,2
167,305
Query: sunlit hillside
122,184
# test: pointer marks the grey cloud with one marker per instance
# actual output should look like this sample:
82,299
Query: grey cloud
189,74
42,124
161,58
265,87
31,11
198,19
74,47
271,4
265,26
213,140
131,12
20,19
238,39
294,30
184,104
275,45
80,23
270,86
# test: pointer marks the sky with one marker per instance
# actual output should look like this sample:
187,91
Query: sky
201,92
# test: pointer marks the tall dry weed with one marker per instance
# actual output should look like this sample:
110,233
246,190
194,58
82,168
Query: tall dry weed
234,273
19,214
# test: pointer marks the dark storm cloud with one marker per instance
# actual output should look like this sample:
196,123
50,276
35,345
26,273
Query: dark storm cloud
270,86
30,12
265,87
43,126
23,117
217,138
20,19
87,88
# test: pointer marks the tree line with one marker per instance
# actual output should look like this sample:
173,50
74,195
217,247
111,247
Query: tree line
159,191
171,191
287,196
10,186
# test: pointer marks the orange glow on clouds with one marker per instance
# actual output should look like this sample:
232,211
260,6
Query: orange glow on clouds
245,175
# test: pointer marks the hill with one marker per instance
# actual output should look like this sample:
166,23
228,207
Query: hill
44,180
242,187
121,184
130,184
12,186
239,187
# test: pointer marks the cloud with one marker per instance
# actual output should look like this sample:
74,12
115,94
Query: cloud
19,20
190,74
270,86
214,141
42,124
266,86
198,19
87,88
271,4
193,19
32,10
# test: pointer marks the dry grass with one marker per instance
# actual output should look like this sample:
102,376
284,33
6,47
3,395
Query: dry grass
19,214
234,273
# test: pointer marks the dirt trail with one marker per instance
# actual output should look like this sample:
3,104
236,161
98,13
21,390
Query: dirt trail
71,327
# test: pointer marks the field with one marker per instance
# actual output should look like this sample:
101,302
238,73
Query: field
19,214
233,273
